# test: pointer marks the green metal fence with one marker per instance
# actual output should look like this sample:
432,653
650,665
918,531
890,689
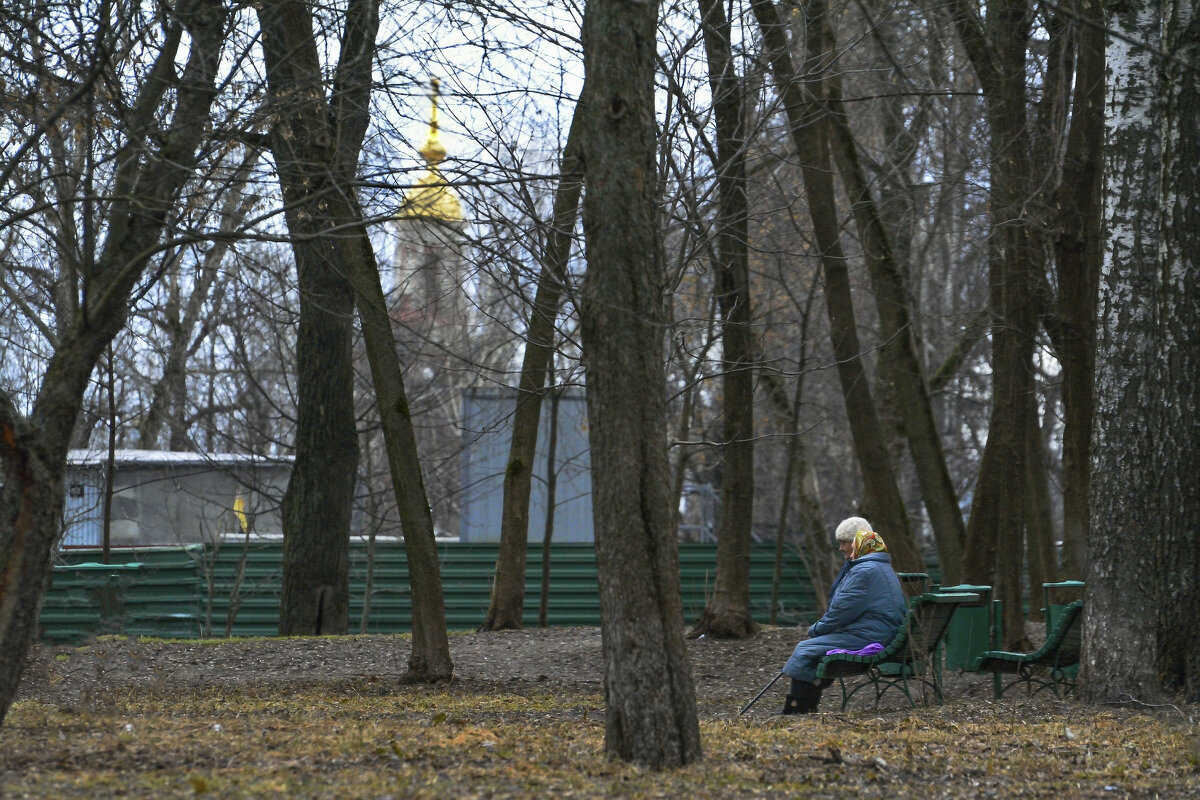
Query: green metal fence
198,591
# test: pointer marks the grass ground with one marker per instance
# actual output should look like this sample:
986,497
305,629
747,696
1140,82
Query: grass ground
369,738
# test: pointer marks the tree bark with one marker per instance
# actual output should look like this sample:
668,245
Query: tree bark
814,555
429,659
152,168
508,589
997,53
551,502
1142,593
727,613
683,450
650,704
321,146
815,552
900,362
810,136
1078,254
315,595
1179,608
1039,525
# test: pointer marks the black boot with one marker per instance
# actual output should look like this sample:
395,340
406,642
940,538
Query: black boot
793,705
814,700
803,698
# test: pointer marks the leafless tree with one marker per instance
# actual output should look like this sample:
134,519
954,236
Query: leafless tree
1141,581
650,714
156,115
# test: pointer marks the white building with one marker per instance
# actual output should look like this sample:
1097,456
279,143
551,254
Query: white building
170,498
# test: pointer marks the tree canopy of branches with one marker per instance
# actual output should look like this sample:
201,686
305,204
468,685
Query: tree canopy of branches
149,119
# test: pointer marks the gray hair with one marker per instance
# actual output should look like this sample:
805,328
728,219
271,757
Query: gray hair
850,526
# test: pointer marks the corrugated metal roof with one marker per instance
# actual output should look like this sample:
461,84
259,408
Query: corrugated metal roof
98,457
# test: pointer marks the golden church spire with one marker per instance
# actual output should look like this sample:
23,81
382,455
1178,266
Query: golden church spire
432,197
433,151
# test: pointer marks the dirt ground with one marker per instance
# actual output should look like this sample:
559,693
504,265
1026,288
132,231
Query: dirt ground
727,674
524,717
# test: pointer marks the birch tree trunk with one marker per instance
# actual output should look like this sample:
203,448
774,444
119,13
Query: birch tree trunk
1179,358
1143,579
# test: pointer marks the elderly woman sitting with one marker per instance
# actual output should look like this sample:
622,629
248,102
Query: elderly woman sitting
866,606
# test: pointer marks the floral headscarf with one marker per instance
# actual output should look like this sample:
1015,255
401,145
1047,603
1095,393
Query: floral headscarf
867,542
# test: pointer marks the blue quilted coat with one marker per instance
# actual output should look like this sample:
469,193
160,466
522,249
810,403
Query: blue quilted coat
865,606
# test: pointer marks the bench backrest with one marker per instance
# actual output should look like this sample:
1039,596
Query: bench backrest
1065,642
925,624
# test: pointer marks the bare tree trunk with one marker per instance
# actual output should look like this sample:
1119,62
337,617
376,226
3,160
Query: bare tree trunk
679,465
1120,632
974,330
110,465
1144,553
317,171
795,461
1039,524
1178,657
429,660
997,53
899,362
551,502
810,136
785,500
799,471
508,588
32,505
1078,253
727,614
235,591
152,168
315,595
650,703
364,620
822,561
818,559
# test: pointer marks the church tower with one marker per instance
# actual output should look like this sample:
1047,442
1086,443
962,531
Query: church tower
428,260
434,320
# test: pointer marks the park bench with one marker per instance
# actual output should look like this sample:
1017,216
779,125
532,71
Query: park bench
911,656
1058,657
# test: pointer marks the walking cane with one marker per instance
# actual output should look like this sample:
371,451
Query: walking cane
760,694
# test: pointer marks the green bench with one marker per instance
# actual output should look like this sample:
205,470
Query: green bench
1051,666
911,656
